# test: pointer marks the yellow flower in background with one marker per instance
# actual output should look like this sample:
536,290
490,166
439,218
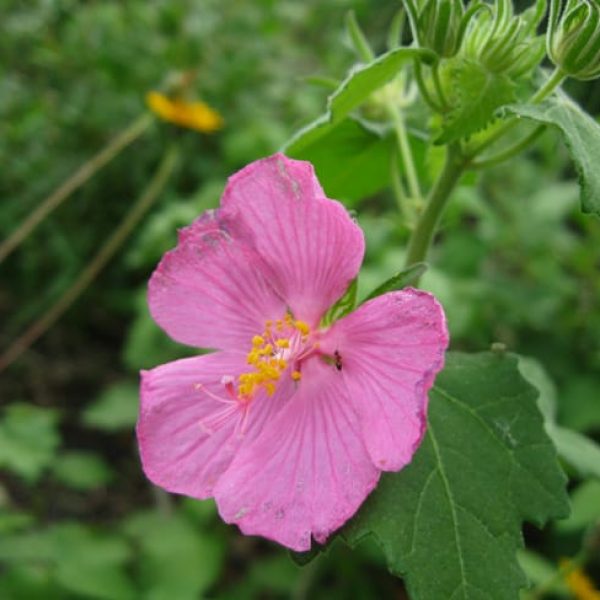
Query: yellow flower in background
579,584
193,115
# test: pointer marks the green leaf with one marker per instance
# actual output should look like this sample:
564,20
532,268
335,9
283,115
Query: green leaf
359,41
86,563
12,520
534,372
90,564
365,79
352,161
585,507
81,470
360,83
343,306
579,451
450,522
477,93
399,280
146,345
177,561
581,135
116,408
28,439
541,572
579,407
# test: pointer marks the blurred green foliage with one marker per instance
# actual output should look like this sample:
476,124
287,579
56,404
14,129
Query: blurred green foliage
515,263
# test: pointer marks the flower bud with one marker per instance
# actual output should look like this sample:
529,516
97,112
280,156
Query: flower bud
573,38
505,43
439,25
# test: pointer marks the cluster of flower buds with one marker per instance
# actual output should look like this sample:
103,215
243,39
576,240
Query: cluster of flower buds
504,42
440,25
573,38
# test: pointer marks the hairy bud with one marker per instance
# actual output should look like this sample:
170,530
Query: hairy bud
505,43
440,25
573,38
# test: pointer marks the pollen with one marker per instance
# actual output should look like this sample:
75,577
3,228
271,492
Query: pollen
302,327
282,344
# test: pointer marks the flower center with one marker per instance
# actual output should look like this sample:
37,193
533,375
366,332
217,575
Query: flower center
281,347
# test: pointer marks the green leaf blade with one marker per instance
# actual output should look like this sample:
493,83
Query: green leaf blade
581,135
352,162
359,84
450,522
399,280
365,79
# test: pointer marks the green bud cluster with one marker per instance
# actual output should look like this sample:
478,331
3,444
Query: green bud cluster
440,25
573,38
505,43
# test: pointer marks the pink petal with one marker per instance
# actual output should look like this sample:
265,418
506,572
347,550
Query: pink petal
311,244
187,438
212,291
307,473
391,348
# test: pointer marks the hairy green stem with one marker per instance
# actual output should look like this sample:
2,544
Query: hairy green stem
98,262
398,189
422,236
456,163
433,105
438,85
405,152
509,152
77,179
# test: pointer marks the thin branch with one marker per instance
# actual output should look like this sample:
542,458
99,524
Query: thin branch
77,179
98,262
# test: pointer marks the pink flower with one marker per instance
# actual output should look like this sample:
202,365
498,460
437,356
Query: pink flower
288,425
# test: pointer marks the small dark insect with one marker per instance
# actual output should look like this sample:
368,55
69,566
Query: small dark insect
338,360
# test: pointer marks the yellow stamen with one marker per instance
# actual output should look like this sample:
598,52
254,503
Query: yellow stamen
302,327
296,375
257,340
283,343
266,351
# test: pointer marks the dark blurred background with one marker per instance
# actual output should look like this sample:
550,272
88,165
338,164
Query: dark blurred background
515,263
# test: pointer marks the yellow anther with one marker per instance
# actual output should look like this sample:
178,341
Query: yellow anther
253,357
268,323
270,387
257,341
283,343
282,364
296,375
279,324
302,327
267,350
288,318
